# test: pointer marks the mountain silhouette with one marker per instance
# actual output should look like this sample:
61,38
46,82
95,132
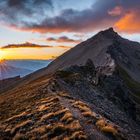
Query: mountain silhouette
106,48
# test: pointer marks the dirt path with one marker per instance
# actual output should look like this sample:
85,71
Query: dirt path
87,122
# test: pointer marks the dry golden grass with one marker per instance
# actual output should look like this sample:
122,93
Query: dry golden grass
49,127
91,115
16,116
61,111
69,120
67,116
106,127
109,129
101,123
66,138
43,108
80,103
52,99
87,114
50,104
81,106
74,126
57,130
78,135
47,116
63,94
19,136
17,100
21,125
39,130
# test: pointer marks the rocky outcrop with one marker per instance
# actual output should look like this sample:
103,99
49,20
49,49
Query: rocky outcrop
110,95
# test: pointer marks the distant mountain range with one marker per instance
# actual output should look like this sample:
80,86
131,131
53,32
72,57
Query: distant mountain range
7,71
12,68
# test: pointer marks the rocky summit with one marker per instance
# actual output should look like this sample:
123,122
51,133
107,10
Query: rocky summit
89,93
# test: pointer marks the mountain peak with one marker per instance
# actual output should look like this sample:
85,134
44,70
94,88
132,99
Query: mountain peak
109,30
109,33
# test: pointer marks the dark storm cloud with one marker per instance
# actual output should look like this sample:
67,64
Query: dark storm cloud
20,12
98,16
102,14
25,4
16,3
70,20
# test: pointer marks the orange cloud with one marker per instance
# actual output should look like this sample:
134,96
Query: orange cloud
44,29
130,23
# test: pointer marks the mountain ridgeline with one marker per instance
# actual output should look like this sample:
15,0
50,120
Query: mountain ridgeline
106,48
90,92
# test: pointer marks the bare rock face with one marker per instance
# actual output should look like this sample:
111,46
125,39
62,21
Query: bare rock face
113,85
107,94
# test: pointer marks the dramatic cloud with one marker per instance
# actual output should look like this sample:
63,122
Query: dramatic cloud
31,45
129,23
25,45
102,14
70,20
20,12
63,39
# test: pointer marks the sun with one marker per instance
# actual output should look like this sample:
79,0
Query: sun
1,55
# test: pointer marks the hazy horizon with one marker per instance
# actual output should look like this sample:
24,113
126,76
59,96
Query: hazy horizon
13,68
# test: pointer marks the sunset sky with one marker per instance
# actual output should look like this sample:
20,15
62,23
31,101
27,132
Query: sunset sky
61,24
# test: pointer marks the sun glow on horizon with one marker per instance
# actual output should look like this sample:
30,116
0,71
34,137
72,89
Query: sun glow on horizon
31,53
2,55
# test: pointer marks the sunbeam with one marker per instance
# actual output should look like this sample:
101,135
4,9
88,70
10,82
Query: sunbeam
1,55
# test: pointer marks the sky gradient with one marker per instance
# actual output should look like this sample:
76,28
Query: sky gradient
61,24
